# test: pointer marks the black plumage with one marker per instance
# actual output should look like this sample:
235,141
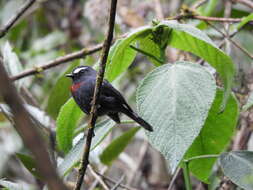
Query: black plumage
110,102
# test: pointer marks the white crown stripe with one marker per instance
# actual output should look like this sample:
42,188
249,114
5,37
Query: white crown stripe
77,70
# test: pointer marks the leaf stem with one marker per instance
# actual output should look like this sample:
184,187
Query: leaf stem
186,173
147,54
201,157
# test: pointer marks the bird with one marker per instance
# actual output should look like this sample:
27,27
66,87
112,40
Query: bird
110,102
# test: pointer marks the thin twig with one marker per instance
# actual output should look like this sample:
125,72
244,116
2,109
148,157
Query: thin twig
199,3
142,154
174,178
115,182
232,41
99,80
118,183
100,180
205,18
58,61
236,44
102,171
27,130
14,19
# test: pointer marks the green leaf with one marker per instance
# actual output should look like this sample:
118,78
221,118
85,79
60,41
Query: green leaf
155,44
175,100
30,164
245,21
238,167
66,123
188,38
148,45
122,55
102,129
249,102
214,136
60,92
113,150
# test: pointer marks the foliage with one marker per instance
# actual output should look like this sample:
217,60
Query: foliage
189,103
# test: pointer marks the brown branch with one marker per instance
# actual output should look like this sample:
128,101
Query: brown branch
205,18
232,41
97,177
14,19
115,182
99,80
58,61
27,130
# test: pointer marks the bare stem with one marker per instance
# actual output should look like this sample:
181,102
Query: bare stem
58,61
27,130
15,18
99,80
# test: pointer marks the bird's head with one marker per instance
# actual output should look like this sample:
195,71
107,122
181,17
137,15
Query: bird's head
81,72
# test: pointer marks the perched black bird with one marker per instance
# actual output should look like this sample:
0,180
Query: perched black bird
110,102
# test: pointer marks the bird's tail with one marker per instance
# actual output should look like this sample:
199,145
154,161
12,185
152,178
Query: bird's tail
138,119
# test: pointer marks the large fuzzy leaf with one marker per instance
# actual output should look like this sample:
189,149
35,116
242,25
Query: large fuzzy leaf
214,136
191,39
175,100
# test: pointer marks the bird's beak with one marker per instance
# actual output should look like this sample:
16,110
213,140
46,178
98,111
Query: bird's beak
69,75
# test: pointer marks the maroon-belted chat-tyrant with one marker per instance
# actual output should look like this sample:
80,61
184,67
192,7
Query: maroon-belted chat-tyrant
110,101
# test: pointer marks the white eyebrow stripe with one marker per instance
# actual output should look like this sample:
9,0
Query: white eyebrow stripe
77,70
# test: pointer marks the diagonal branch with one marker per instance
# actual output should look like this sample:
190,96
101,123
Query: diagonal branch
14,19
58,61
99,80
27,130
205,18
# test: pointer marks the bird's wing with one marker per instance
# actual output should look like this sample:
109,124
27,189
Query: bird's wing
110,91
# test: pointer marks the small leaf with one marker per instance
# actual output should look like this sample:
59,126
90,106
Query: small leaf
66,123
113,150
214,136
245,21
30,164
238,167
249,102
175,100
60,92
122,55
102,129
